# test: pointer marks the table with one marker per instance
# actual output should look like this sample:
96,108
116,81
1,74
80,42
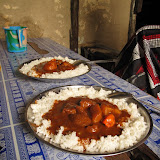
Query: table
16,140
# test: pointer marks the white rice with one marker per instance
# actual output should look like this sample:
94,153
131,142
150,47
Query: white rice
132,132
79,70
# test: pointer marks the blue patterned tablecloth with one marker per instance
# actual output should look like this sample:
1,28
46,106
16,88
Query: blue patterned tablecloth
16,140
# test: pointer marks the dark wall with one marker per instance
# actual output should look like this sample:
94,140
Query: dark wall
149,15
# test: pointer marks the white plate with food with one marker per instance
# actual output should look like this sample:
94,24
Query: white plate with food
83,120
53,69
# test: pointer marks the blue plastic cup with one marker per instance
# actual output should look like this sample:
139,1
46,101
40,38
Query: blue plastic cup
16,38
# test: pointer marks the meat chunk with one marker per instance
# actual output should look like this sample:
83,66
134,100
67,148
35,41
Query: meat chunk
96,113
117,112
70,110
80,109
108,108
50,66
80,119
66,64
70,104
85,103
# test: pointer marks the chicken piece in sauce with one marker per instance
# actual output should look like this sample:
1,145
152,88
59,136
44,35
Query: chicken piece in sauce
51,65
70,110
86,102
96,113
80,119
108,108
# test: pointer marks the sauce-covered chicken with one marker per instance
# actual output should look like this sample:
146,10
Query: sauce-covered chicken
89,118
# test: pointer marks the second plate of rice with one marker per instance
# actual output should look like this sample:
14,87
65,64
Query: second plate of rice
28,69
